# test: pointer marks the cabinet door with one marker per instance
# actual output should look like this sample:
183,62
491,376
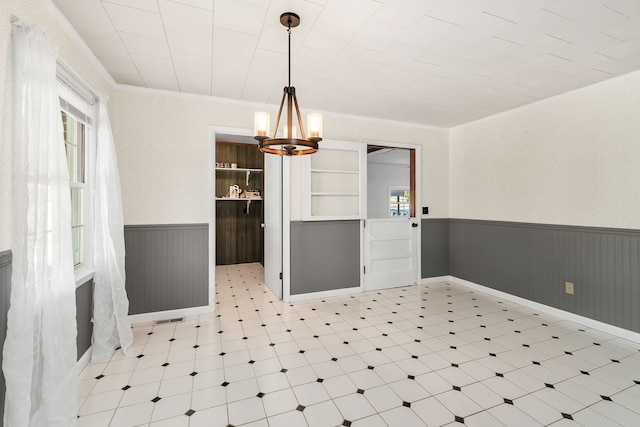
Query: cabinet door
334,182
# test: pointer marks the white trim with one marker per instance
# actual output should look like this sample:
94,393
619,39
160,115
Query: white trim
591,323
326,294
286,229
169,314
83,361
436,279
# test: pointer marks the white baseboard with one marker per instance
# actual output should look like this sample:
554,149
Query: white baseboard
325,294
591,323
170,314
437,279
83,361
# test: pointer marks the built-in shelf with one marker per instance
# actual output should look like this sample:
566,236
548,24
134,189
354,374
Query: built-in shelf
239,170
244,170
239,199
335,171
335,194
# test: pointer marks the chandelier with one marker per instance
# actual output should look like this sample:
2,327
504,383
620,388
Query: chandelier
289,144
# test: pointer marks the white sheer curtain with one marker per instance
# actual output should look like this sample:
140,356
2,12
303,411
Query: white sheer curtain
111,327
39,356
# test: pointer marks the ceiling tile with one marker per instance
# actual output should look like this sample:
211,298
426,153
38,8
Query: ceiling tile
348,63
403,13
400,54
328,38
630,8
148,5
193,73
227,83
598,19
429,32
626,30
201,4
119,65
459,12
572,9
144,45
233,50
516,11
533,27
186,19
480,28
156,72
349,15
190,44
106,48
376,35
135,21
266,76
240,17
88,18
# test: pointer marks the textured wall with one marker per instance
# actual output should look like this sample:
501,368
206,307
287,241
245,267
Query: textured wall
569,160
325,255
163,152
40,13
533,261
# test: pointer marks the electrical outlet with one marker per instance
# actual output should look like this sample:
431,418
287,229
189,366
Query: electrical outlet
425,210
568,288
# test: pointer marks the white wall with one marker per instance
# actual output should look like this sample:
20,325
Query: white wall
573,159
39,13
162,143
380,176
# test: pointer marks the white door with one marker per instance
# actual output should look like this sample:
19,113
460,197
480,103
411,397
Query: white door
273,223
391,253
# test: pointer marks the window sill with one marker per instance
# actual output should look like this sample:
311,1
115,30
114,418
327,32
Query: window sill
83,275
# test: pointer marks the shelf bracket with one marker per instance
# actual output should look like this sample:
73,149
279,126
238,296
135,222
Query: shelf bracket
248,175
248,203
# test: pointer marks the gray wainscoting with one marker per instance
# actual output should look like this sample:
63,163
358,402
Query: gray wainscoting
167,266
533,261
84,314
5,297
325,255
435,247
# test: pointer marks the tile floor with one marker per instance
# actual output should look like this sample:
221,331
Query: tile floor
425,355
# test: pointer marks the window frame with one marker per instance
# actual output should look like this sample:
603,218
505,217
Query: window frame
84,271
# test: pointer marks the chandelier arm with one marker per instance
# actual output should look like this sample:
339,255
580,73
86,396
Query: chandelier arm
295,100
289,133
275,129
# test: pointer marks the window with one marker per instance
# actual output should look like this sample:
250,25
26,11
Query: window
78,136
399,202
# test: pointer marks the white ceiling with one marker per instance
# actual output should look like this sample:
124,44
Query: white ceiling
432,62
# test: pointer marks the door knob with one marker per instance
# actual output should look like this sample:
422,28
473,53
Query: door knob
263,225
414,224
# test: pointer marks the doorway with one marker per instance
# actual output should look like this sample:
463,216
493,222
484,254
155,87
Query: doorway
391,231
258,215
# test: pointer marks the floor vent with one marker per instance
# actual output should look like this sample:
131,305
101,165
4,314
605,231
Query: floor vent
165,321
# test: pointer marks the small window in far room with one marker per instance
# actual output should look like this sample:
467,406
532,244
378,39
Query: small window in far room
399,202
